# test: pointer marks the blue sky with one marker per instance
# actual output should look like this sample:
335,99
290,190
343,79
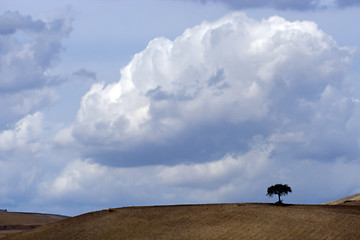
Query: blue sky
110,103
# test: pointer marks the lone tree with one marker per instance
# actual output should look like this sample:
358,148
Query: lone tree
278,189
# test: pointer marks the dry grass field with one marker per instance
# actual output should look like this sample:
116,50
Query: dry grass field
17,222
211,221
350,200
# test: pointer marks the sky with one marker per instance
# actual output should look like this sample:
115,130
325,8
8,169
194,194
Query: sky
112,103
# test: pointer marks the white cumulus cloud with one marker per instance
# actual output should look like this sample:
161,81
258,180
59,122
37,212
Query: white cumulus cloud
25,135
212,89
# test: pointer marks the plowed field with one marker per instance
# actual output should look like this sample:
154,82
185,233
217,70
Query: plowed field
213,221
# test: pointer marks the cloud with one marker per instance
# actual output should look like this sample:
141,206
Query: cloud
29,49
26,159
85,74
299,5
218,173
234,178
18,104
287,4
25,134
139,185
213,89
10,22
215,115
347,3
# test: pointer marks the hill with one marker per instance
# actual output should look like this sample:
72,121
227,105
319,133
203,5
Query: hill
350,200
209,221
11,222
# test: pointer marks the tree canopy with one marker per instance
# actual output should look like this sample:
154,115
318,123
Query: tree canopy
278,189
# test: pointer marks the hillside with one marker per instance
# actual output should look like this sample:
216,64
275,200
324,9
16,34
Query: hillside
350,200
212,221
16,222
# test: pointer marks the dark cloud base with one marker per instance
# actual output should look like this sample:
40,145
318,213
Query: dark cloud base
203,144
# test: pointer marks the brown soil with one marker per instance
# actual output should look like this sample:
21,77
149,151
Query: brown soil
213,221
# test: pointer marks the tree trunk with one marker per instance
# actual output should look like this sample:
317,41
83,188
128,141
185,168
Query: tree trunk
279,198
